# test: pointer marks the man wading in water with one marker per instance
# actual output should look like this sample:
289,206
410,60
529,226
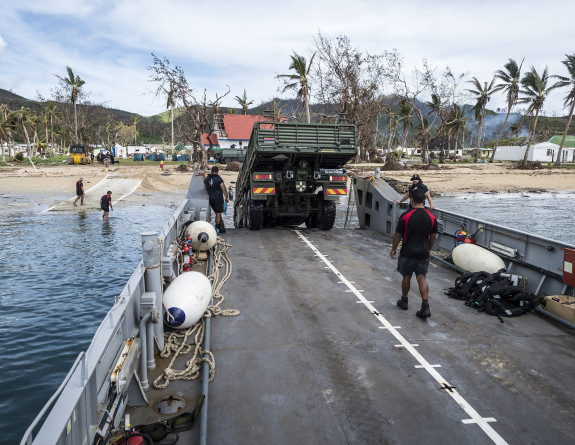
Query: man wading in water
106,204
417,228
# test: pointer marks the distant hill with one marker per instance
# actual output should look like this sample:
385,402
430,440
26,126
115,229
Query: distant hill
154,128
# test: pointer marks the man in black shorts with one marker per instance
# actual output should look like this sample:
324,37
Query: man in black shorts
106,204
217,191
79,192
417,228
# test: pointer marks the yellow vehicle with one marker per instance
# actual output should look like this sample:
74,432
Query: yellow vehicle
79,155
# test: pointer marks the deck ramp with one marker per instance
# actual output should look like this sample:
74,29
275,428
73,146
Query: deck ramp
309,361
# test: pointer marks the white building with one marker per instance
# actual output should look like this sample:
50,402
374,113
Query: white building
543,152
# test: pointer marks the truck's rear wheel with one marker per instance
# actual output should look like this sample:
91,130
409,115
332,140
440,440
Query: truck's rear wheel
326,218
255,215
226,161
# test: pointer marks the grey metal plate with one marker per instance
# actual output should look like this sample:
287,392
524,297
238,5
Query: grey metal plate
304,362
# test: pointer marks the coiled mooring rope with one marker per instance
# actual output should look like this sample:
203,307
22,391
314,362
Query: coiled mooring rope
176,342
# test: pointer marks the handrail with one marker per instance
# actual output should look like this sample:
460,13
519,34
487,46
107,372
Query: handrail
27,438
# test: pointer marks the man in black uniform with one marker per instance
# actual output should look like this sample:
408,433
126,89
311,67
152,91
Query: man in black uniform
216,189
79,192
417,228
417,184
106,204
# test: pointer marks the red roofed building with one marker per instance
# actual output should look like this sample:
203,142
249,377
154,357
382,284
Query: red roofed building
213,138
235,130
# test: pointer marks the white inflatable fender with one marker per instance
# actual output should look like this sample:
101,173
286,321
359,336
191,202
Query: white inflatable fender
186,299
474,258
203,235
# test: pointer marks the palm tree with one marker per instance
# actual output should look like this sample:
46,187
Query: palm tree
510,85
74,83
455,124
135,120
405,115
536,91
482,95
436,106
392,121
299,81
49,115
23,117
569,100
6,127
244,103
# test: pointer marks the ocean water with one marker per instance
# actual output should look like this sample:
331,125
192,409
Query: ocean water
550,215
59,274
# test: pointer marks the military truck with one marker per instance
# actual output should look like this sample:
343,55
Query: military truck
79,155
293,173
227,155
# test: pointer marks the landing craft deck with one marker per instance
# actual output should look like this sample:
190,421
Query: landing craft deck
321,354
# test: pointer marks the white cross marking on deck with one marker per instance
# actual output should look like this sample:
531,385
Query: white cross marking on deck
482,422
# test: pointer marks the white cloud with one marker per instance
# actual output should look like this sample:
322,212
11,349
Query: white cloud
244,45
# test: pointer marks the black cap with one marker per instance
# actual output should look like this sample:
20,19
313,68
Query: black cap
415,178
215,169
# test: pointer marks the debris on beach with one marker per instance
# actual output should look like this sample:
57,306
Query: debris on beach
183,168
529,165
234,166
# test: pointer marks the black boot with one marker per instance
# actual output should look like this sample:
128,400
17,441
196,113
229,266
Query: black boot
424,312
222,227
402,303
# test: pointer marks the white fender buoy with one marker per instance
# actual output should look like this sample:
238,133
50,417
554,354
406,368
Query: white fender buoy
473,258
186,299
203,235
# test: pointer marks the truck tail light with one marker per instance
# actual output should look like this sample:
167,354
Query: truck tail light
262,176
338,178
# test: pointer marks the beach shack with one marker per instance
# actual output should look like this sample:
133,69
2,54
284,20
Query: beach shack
543,152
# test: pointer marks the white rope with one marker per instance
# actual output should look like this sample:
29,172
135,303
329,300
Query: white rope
176,342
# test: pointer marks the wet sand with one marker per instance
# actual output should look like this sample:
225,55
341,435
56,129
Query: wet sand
54,185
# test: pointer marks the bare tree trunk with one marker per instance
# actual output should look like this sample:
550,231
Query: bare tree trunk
172,130
500,134
558,160
307,108
524,161
76,122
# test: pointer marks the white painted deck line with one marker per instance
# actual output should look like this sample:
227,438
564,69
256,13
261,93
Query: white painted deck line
475,418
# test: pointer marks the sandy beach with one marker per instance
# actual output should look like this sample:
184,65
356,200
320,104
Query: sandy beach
55,185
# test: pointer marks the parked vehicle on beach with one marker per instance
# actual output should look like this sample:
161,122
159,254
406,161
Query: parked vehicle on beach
79,155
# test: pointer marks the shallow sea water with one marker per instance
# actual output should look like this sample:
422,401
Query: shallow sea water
59,275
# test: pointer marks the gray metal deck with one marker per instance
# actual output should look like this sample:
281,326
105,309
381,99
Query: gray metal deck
307,361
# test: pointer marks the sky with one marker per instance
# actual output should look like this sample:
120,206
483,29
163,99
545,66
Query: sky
245,44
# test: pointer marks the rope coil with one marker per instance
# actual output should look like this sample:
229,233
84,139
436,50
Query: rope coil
176,342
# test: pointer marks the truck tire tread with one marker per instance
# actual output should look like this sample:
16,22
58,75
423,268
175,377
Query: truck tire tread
327,215
256,215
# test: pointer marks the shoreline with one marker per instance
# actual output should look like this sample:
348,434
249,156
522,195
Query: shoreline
50,183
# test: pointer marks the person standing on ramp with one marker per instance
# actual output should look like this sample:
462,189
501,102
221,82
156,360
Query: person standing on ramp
417,229
217,191
79,192
106,204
